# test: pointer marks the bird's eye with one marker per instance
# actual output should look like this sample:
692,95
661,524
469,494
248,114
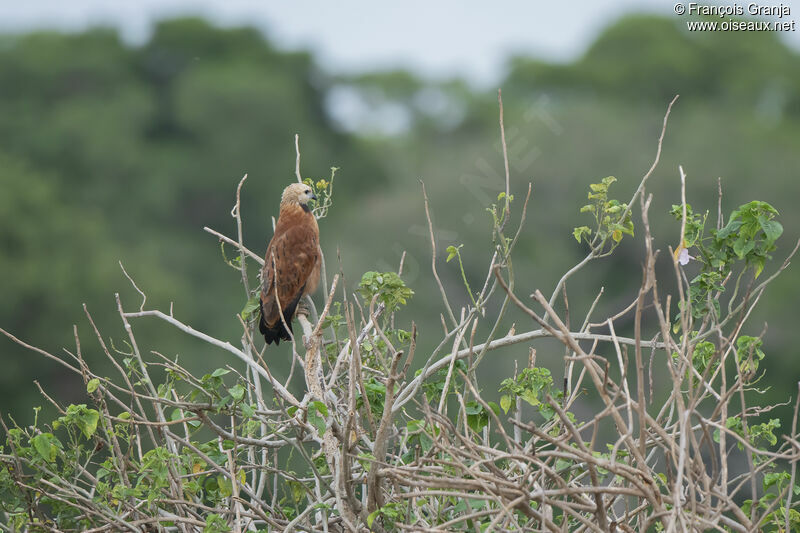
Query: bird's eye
308,191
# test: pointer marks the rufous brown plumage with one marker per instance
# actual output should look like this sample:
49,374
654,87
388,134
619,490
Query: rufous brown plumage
291,264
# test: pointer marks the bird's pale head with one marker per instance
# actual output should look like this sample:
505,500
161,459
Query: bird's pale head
298,193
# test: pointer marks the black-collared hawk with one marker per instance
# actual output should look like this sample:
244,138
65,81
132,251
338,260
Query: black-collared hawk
291,265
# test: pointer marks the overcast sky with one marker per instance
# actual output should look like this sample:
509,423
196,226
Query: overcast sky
470,38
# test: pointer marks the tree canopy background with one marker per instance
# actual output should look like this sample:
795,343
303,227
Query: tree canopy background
115,153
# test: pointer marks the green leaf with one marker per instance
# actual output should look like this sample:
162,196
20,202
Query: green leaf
759,265
530,397
730,228
315,409
505,403
772,229
252,304
43,444
743,246
412,426
220,372
215,523
87,422
92,385
579,232
627,227
477,422
372,516
477,417
771,478
320,407
473,408
237,392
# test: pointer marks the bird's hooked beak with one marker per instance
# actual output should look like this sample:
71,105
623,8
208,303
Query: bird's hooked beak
312,196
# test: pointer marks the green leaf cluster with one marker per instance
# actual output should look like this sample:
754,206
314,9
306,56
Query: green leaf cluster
612,218
434,385
323,190
705,358
376,395
774,484
532,385
390,513
758,435
478,416
420,435
749,236
388,286
749,354
79,417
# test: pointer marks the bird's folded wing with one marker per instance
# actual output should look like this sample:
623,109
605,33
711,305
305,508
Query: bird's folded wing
290,261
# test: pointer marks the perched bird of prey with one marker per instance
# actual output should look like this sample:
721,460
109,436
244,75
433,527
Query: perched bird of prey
291,265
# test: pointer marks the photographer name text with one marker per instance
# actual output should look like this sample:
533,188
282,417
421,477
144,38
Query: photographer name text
734,10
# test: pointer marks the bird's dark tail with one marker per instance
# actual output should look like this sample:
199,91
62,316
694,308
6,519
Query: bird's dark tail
276,332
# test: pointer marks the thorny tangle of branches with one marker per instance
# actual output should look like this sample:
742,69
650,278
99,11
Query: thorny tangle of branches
369,446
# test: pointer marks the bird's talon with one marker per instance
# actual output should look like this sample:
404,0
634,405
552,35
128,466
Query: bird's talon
302,309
